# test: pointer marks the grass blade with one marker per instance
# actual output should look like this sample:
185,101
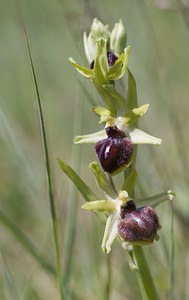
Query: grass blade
26,243
84,189
71,222
48,172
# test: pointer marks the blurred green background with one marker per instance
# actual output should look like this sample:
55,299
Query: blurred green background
158,32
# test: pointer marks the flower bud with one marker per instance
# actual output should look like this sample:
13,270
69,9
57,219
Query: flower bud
114,152
98,30
138,225
111,59
118,38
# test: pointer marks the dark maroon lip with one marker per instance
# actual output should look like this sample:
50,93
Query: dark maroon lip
138,224
115,151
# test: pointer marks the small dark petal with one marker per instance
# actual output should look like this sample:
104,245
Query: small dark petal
139,225
114,132
92,65
127,207
111,58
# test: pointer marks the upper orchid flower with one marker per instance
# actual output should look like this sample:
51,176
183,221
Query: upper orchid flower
108,61
114,144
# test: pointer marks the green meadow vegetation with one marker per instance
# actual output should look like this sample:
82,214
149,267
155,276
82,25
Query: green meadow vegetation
43,230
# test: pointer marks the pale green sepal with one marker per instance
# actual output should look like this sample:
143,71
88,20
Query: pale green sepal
104,113
102,180
89,47
156,199
110,232
118,38
101,111
133,115
100,206
99,30
90,138
138,136
86,72
117,71
129,182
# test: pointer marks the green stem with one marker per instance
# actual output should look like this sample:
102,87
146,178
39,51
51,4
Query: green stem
111,182
146,283
109,277
48,171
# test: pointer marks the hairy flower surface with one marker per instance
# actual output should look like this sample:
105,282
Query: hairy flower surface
133,225
114,152
138,225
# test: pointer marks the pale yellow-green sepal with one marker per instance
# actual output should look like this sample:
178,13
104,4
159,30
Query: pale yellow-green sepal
86,72
138,136
100,206
118,38
134,114
110,232
92,138
104,113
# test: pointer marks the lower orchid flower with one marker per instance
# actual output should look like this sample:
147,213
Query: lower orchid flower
133,225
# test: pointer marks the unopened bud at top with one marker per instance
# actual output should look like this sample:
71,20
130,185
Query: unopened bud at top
118,38
98,30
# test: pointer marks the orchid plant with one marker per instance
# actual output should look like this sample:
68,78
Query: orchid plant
133,221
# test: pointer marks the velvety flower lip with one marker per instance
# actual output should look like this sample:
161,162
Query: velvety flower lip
138,225
134,225
114,152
